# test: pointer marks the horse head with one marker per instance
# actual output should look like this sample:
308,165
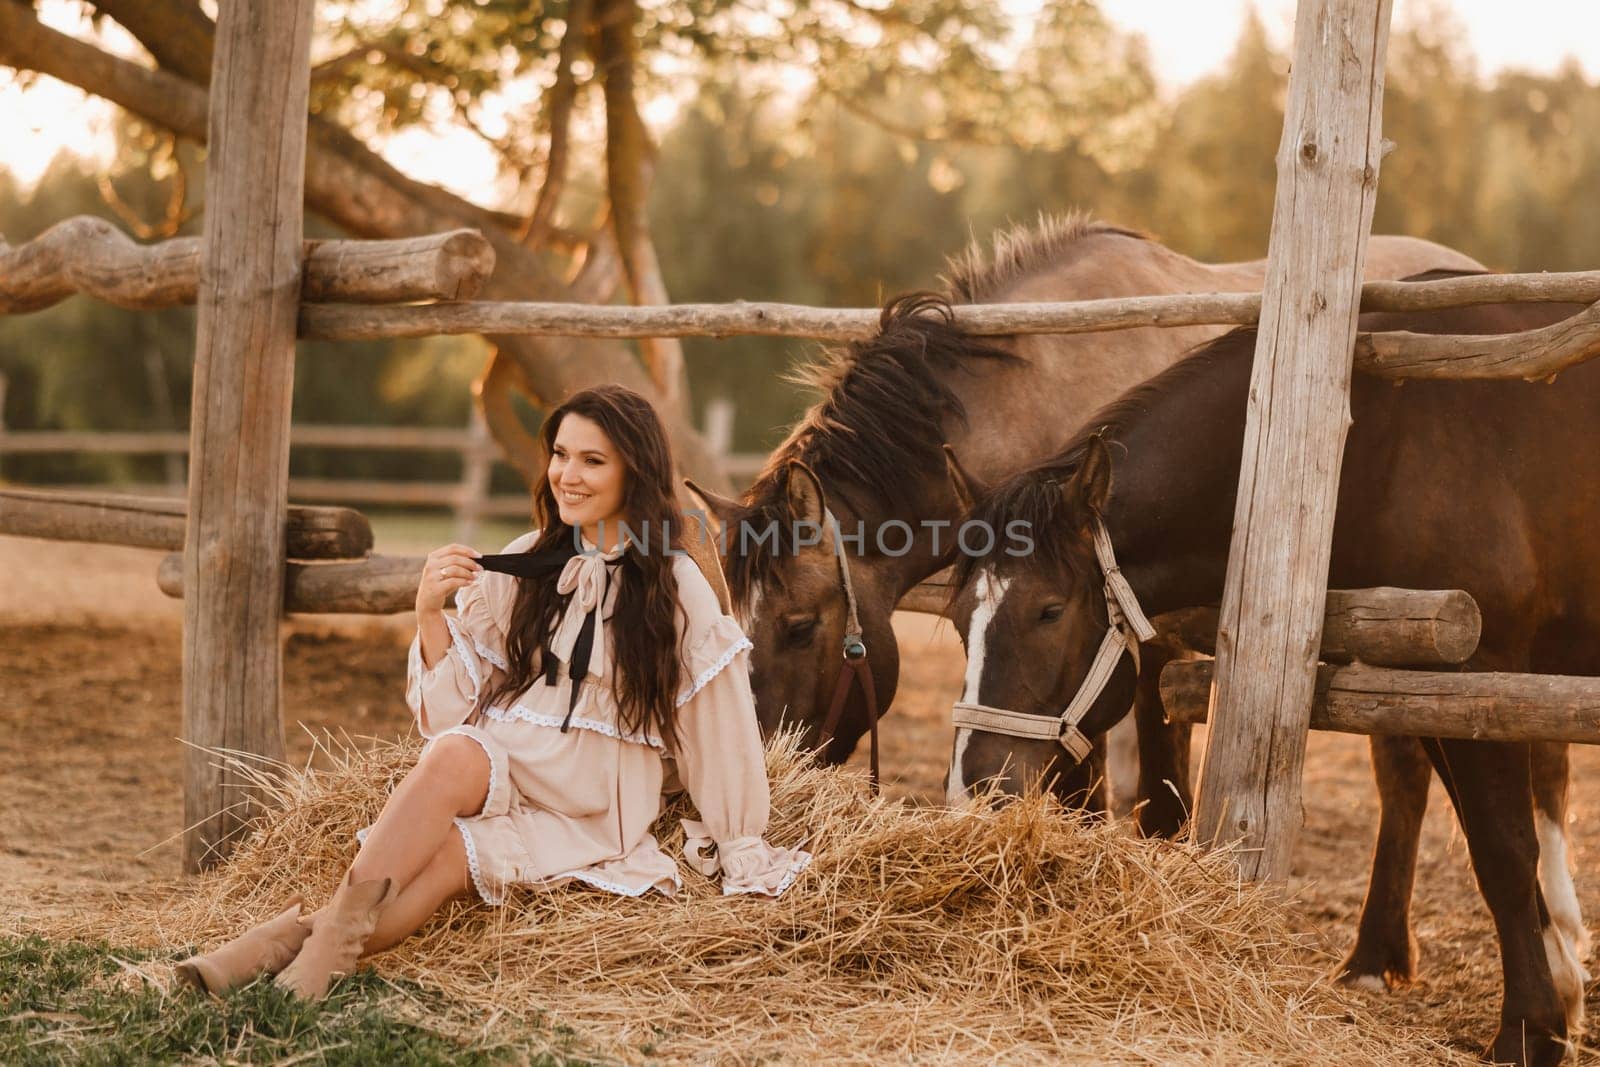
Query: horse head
794,559
1034,622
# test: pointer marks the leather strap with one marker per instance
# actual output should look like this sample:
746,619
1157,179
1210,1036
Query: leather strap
1126,627
855,667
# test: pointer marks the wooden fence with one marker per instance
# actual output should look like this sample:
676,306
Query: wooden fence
263,286
468,498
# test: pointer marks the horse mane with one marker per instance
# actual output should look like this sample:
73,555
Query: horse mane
975,276
1033,495
877,428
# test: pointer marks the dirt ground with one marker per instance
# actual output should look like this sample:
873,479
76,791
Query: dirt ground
90,675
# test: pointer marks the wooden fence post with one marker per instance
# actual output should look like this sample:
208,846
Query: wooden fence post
719,426
477,463
4,381
1299,412
248,300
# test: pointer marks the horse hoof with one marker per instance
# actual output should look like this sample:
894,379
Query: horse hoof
1367,983
1527,1047
1359,971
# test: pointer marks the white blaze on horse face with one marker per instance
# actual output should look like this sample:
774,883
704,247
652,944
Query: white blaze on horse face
991,590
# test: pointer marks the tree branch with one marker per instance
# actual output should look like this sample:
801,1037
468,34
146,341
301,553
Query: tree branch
500,377
176,32
352,187
558,116
630,166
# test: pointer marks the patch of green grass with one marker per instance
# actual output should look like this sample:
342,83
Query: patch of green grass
69,1003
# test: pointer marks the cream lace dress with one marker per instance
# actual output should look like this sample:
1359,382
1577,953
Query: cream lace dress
577,805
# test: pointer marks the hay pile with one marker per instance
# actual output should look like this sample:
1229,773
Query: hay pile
1023,935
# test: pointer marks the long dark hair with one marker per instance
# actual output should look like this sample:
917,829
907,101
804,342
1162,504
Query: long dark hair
643,629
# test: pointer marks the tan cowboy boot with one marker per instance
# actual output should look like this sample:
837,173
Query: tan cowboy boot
265,948
339,933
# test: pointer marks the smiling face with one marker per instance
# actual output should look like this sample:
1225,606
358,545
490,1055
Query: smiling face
587,476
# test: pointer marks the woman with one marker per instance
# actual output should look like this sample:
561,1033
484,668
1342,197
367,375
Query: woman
528,778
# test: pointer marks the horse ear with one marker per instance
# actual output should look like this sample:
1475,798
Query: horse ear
806,499
1089,488
968,489
719,508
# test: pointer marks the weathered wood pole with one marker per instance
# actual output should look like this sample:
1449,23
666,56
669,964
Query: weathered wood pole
160,522
250,267
1377,700
1299,411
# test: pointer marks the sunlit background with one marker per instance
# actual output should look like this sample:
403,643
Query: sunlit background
804,161
1187,40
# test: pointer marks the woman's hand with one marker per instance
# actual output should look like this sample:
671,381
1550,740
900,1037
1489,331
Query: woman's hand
446,570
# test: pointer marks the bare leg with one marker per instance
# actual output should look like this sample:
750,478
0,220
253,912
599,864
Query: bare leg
1385,953
451,780
445,877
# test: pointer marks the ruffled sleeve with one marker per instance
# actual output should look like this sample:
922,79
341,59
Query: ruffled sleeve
723,765
444,696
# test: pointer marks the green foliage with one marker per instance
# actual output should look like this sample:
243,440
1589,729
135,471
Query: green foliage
68,1003
927,124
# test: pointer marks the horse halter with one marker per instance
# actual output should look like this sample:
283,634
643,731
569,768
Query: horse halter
1128,626
855,667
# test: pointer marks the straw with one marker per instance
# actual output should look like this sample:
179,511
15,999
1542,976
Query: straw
1021,934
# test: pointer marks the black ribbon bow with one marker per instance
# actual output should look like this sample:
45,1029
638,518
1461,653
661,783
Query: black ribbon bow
538,565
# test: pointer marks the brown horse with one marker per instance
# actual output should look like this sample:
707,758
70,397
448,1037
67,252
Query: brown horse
1491,487
870,453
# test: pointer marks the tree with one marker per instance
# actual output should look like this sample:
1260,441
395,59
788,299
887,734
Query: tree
572,232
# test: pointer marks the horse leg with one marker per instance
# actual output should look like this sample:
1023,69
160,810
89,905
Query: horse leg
1491,786
1083,786
1385,953
1550,777
1122,766
1165,798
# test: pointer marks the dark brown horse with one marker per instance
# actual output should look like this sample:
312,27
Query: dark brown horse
1491,487
870,453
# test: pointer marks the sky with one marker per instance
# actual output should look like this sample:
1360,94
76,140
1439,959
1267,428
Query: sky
1187,39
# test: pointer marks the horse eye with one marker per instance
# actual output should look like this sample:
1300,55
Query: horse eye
800,633
1052,612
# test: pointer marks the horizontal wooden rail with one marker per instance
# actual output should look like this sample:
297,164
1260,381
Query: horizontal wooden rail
379,585
1381,626
158,522
115,442
1376,700
90,255
845,324
1529,355
135,442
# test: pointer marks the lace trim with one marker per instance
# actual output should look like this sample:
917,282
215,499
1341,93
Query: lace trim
715,669
590,878
464,650
485,652
518,713
801,861
490,897
494,780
